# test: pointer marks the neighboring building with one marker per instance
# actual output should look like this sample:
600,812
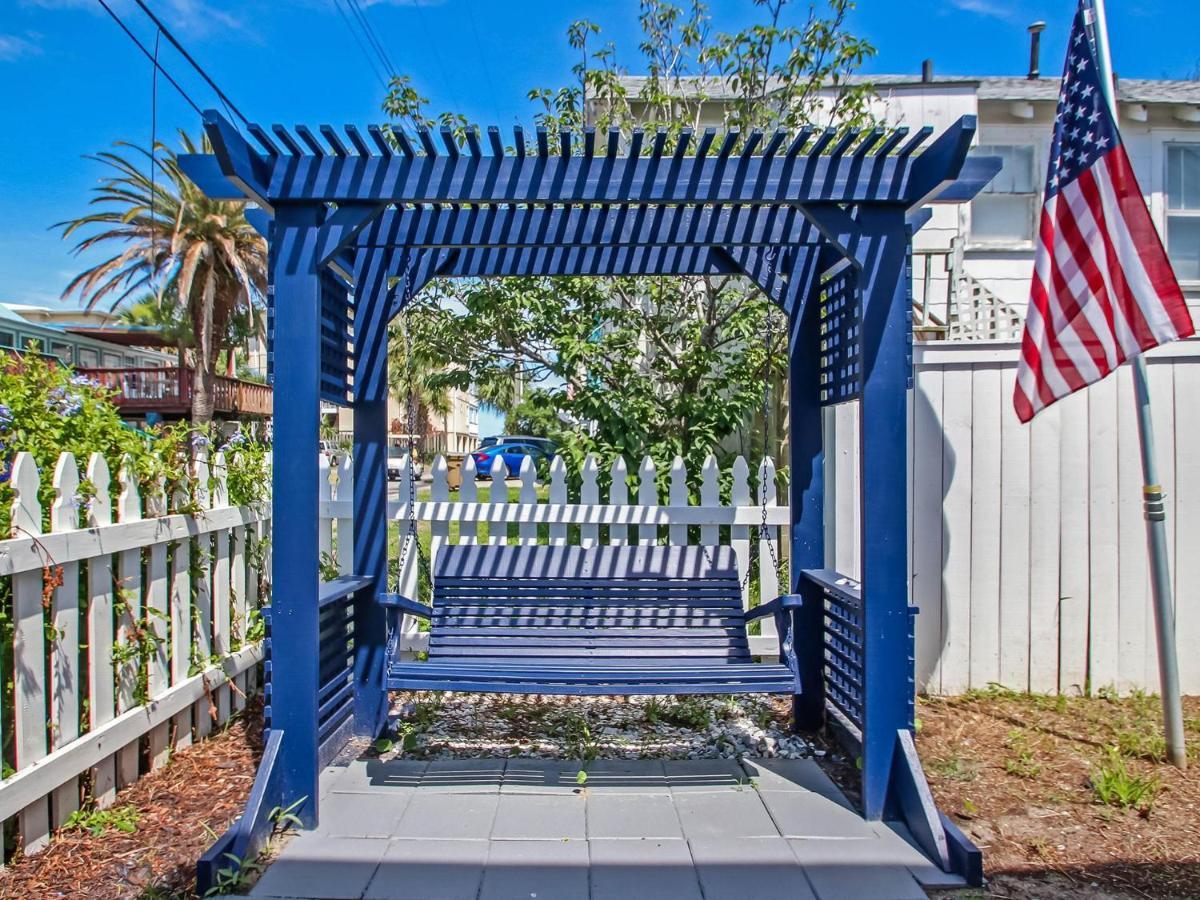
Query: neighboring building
148,382
973,262
457,431
23,328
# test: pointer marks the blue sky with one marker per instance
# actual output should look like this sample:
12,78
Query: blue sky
71,83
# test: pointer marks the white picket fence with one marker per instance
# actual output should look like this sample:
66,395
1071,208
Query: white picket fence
1028,542
645,520
99,583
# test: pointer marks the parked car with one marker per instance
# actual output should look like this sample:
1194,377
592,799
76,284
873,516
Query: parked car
547,446
512,454
396,455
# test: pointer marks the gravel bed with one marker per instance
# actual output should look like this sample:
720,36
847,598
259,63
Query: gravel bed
446,726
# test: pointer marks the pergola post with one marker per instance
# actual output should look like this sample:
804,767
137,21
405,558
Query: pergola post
370,490
881,251
807,462
295,511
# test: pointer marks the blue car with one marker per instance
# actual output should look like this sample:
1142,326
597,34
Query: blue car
512,454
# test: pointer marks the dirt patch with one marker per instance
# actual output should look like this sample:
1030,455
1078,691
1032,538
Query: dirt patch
176,813
1019,774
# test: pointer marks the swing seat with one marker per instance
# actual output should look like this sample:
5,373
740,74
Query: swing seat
589,621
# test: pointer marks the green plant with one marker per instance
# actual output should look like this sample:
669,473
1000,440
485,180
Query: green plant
687,712
96,821
1022,764
1142,743
579,742
328,566
954,768
236,877
1114,785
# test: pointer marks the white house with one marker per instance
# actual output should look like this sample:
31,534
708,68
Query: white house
973,262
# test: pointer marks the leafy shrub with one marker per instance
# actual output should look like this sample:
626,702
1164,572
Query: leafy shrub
1114,785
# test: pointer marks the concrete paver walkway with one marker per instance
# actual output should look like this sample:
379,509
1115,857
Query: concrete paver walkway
524,829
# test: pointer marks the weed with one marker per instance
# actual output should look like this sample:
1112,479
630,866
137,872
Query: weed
689,712
235,877
97,821
1137,744
1022,764
1113,784
578,740
283,818
954,768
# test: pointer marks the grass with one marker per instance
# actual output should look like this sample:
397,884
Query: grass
1114,785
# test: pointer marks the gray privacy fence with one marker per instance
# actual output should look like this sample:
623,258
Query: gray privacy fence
130,627
1028,544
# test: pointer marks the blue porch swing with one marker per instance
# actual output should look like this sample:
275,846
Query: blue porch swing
819,220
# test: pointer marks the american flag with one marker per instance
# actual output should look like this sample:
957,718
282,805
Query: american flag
1103,289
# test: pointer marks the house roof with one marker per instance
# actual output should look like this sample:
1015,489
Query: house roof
988,87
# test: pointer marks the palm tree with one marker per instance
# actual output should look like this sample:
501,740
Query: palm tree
166,316
172,238
413,379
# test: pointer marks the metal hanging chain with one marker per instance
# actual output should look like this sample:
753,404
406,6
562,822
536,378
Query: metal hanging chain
411,535
764,535
766,413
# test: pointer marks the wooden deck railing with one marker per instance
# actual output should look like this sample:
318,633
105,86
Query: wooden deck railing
169,391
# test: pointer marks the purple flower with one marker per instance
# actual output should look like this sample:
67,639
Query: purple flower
199,441
84,381
6,416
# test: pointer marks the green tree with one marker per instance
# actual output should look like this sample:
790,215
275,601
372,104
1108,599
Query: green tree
163,313
173,240
647,365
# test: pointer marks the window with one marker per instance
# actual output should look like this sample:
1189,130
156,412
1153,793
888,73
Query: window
65,352
112,361
1005,212
1183,210
8,339
89,358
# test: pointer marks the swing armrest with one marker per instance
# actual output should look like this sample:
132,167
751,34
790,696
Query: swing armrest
403,604
782,603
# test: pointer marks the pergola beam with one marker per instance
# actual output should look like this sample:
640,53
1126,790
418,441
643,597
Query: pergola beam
843,167
511,226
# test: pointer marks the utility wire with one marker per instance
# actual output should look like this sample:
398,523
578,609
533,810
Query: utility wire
361,46
229,104
369,31
153,58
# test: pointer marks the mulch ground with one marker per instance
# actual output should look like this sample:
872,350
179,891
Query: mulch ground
1015,772
181,809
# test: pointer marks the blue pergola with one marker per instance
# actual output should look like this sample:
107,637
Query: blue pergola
820,220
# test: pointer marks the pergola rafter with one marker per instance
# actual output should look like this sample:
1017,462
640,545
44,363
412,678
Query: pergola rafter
821,220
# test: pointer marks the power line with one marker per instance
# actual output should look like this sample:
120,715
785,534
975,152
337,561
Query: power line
152,57
369,31
229,104
361,46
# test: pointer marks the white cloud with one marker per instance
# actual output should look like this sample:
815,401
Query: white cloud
993,8
186,18
366,4
14,47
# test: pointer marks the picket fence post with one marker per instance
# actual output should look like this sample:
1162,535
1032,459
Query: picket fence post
29,689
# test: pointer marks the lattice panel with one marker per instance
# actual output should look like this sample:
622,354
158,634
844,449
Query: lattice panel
844,671
841,339
337,330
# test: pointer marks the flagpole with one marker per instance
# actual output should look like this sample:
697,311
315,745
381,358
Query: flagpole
1152,495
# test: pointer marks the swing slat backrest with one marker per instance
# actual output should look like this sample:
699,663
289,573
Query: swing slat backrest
634,606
